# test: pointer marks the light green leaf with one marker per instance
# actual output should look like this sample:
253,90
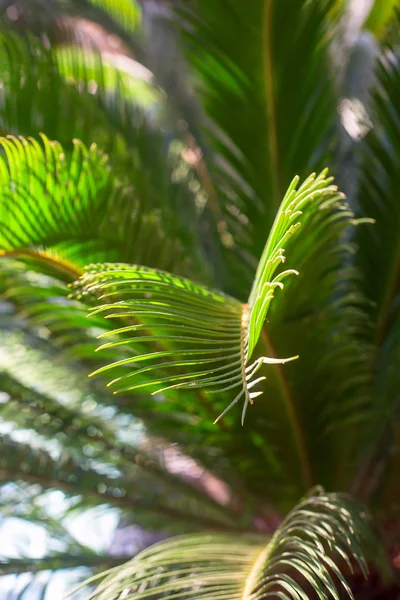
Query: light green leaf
201,338
124,12
382,11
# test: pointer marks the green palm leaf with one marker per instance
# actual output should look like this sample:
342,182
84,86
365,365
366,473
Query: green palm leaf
205,331
124,12
100,483
278,80
71,428
59,207
379,262
320,533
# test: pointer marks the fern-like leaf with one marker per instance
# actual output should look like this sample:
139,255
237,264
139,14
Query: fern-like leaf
321,533
195,328
67,209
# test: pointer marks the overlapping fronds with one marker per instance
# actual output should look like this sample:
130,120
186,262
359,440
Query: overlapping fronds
39,94
64,210
210,334
379,261
278,80
69,209
72,92
145,499
68,92
29,410
303,557
47,401
67,336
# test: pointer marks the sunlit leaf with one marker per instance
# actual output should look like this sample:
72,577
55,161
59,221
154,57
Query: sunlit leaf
303,555
208,333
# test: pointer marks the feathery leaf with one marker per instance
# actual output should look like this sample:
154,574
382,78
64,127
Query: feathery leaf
301,557
69,209
205,331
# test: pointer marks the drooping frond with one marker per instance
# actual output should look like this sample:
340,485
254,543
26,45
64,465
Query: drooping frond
208,334
72,429
318,541
97,482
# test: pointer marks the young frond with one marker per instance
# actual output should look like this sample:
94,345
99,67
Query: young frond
322,537
201,338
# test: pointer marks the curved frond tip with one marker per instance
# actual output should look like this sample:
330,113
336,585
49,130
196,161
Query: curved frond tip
178,334
321,533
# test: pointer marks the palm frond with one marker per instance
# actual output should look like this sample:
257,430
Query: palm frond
114,99
56,204
223,332
279,82
28,410
126,12
301,557
101,484
54,325
379,261
38,89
